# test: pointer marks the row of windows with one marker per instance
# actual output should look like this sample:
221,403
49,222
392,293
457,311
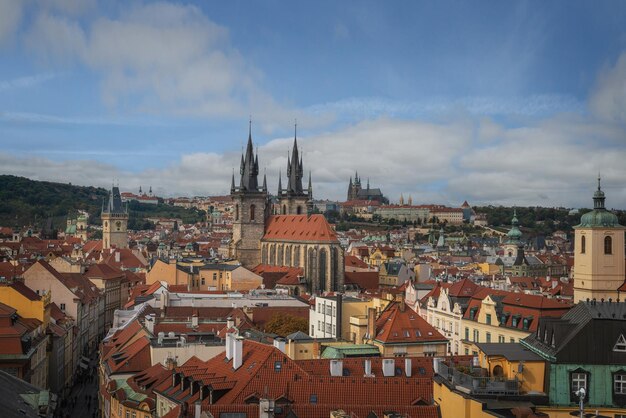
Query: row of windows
580,379
330,310
476,336
608,245
328,328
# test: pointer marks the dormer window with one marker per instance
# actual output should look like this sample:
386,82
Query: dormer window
620,345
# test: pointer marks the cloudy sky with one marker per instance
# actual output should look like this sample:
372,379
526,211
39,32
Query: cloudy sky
514,103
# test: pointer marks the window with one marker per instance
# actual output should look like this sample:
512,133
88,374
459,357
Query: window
512,340
620,345
608,245
214,276
119,409
579,378
278,366
488,337
203,281
583,244
63,306
134,414
467,333
313,398
619,383
488,319
127,413
476,335
501,338
252,210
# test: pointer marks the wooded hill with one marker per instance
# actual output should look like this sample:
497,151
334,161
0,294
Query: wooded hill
30,202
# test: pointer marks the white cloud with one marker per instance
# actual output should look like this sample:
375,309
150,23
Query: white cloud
608,99
10,18
161,57
26,81
547,163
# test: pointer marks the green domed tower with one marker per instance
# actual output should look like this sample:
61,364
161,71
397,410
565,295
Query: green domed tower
598,253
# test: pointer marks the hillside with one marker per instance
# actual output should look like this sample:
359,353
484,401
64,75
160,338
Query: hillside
30,202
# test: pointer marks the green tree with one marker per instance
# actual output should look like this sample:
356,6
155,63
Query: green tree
285,324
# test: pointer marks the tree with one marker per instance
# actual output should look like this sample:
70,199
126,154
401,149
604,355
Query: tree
285,324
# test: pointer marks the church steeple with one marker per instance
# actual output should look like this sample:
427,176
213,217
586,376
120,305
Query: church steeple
249,167
598,197
310,187
280,183
294,170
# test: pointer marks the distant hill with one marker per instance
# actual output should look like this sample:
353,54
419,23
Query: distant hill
30,202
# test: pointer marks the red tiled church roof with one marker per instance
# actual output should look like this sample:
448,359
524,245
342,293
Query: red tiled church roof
299,228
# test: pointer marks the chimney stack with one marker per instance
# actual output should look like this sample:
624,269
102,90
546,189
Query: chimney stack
368,368
230,323
197,409
280,344
336,368
229,346
117,256
149,323
388,367
194,320
407,366
237,352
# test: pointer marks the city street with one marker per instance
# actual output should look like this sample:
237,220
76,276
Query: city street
83,399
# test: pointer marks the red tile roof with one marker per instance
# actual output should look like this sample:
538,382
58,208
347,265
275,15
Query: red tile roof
299,228
355,262
395,325
363,279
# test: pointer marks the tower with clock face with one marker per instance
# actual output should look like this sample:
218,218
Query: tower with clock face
114,222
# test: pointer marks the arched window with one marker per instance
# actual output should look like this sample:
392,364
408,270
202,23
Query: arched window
264,255
583,244
284,210
299,210
322,270
272,260
288,250
279,260
608,245
252,210
296,256
236,212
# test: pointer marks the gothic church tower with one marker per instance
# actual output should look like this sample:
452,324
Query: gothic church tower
251,210
114,222
294,200
599,253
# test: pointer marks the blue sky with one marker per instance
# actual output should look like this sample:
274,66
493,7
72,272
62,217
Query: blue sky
493,102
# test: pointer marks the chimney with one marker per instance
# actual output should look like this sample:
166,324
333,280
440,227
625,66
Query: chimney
170,363
407,366
280,344
194,321
230,323
266,408
149,323
117,256
368,368
198,409
237,352
388,367
229,346
401,303
336,368
371,323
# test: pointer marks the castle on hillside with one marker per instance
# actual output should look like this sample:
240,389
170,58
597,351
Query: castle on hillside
292,238
356,192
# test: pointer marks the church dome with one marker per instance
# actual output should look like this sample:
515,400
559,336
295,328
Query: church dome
599,216
514,233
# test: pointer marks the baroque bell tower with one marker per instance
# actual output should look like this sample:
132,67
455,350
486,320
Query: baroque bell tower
250,209
598,253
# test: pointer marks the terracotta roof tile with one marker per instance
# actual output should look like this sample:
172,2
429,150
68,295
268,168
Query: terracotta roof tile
299,228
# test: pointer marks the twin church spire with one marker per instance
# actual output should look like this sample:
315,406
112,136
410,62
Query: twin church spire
249,171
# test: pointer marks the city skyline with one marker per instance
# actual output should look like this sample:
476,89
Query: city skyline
493,103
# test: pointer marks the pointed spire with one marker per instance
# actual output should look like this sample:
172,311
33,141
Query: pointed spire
280,183
598,196
310,187
368,183
232,183
264,182
140,190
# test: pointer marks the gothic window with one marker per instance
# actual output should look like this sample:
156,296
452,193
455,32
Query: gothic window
252,210
118,224
279,261
583,243
288,256
322,269
264,255
272,259
284,209
296,256
299,210
106,224
608,245
236,212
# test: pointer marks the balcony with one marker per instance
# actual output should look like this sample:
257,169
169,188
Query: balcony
475,380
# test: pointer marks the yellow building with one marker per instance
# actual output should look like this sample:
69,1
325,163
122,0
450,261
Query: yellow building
598,254
467,388
27,303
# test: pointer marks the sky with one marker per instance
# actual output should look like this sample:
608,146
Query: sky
503,103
